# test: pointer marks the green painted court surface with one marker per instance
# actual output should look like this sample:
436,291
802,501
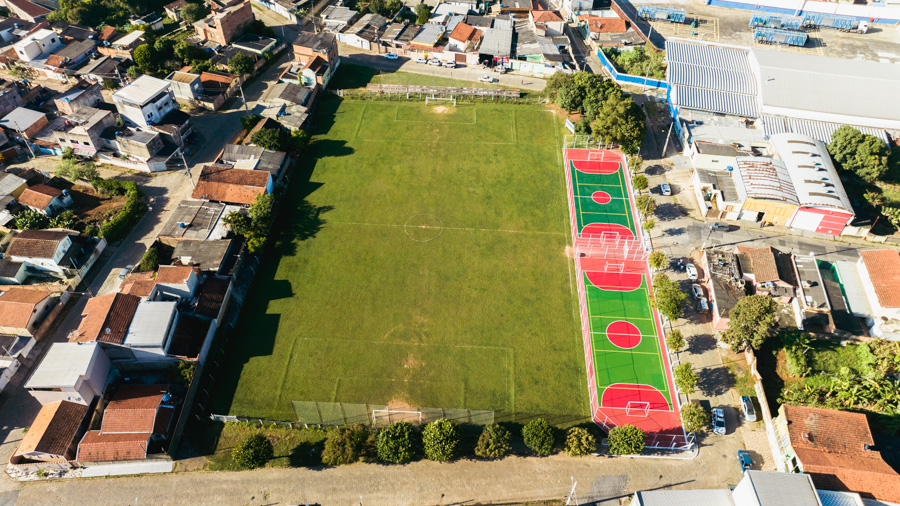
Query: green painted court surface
424,263
588,211
639,365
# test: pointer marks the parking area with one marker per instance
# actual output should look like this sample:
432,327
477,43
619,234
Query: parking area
697,26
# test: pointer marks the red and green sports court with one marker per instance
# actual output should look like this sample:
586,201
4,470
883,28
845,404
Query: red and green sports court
629,375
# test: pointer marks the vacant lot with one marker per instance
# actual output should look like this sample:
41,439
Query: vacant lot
423,264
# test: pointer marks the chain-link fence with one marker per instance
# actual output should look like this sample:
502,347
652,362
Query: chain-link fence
343,413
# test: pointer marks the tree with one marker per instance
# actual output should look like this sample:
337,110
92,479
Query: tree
65,219
143,57
580,442
150,260
864,155
240,64
694,417
625,440
645,204
248,122
67,154
134,72
181,372
257,27
192,13
394,443
752,320
569,98
394,6
345,445
299,140
66,167
685,378
239,223
85,171
188,52
267,138
675,341
440,440
22,72
110,84
668,297
254,451
648,225
639,181
493,443
657,260
423,12
620,121
538,436
31,219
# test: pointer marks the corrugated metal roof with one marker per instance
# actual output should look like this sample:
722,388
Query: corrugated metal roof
699,76
720,102
853,288
497,41
816,129
766,178
712,78
719,497
718,57
832,498
810,168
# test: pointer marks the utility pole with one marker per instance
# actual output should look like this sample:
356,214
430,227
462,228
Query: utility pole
186,168
243,98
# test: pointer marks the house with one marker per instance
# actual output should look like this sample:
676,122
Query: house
82,95
322,47
813,297
105,319
45,199
195,220
10,98
598,26
217,88
399,35
225,53
145,101
571,7
190,338
723,283
428,36
81,130
27,10
288,104
256,158
141,284
107,34
53,435
11,186
255,43
71,55
464,38
175,282
335,18
497,42
24,121
186,87
365,32
97,71
136,149
22,310
770,271
879,274
123,47
212,298
13,28
173,10
41,249
232,186
36,44
225,25
547,23
287,94
207,256
74,372
175,128
152,21
136,420
836,449
756,488
149,333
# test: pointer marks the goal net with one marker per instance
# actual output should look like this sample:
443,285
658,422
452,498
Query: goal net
611,247
389,416
433,99
637,408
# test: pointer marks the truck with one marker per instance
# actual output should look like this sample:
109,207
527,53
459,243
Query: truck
775,21
764,35
834,21
655,13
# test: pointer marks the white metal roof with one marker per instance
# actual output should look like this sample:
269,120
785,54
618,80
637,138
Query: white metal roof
821,130
854,292
809,165
711,78
828,89
63,364
779,489
128,38
497,41
150,324
832,498
21,118
142,89
719,497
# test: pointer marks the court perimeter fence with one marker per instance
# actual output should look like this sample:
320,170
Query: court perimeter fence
403,89
338,414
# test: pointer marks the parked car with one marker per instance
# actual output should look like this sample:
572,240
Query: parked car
391,56
697,291
718,421
125,271
744,460
691,272
702,305
434,62
719,226
450,64
420,60
486,78
748,409
665,189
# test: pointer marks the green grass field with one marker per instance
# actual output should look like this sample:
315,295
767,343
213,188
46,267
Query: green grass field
423,263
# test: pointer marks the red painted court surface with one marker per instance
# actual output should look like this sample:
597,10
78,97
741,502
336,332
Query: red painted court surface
629,374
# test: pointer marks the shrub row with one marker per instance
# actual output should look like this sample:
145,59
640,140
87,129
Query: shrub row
119,226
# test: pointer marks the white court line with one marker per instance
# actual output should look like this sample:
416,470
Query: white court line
446,228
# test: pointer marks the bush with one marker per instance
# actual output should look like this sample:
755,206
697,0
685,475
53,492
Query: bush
67,154
150,260
248,122
113,187
254,451
267,138
580,442
31,219
538,436
639,181
122,223
345,445
240,64
493,443
440,440
65,219
110,84
694,417
625,440
675,341
685,378
395,443
182,372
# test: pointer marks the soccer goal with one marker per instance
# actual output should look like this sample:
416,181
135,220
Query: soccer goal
433,98
637,408
389,416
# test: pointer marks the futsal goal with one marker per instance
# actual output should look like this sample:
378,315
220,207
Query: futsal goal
431,99
637,408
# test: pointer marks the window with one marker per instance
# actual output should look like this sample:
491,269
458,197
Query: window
86,143
61,139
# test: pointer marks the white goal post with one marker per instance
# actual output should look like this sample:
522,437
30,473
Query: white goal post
637,408
440,99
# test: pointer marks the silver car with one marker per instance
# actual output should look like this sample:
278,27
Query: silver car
665,189
718,416
691,272
697,291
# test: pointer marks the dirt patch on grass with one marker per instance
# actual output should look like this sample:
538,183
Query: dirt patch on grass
570,252
441,109
411,362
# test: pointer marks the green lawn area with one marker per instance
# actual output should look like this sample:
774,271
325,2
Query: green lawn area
293,447
423,263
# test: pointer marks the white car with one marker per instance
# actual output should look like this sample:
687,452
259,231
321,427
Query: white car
125,271
420,60
665,189
718,416
450,64
486,78
434,62
691,272
696,291
391,56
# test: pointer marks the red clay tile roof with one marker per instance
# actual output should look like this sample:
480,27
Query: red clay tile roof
133,409
215,76
97,447
830,446
113,311
38,196
233,186
55,61
546,16
211,295
139,283
107,33
33,10
597,24
36,243
465,32
884,271
174,274
54,429
17,306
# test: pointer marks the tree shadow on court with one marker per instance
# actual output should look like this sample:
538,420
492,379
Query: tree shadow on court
715,380
700,343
